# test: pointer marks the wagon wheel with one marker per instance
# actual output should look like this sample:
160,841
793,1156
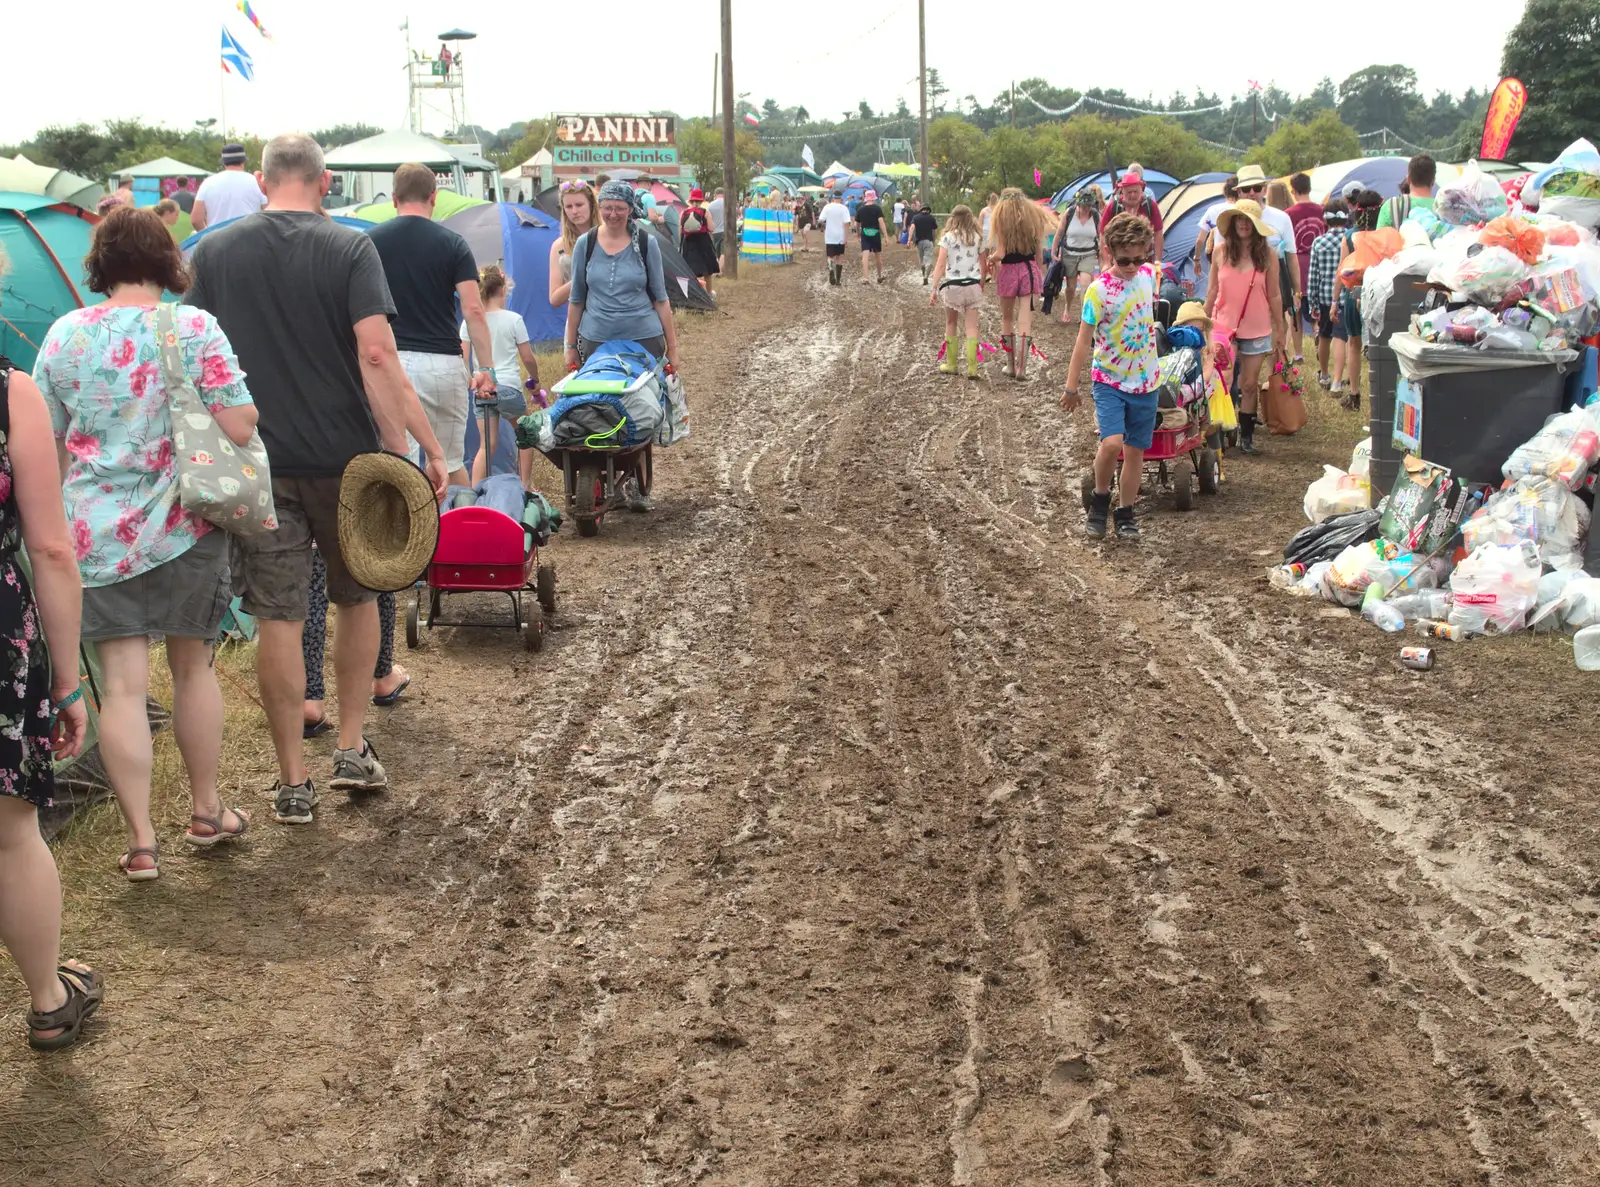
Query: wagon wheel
413,627
1182,489
544,584
1209,467
586,498
647,471
533,629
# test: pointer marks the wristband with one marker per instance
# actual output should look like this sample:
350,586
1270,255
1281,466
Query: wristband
71,698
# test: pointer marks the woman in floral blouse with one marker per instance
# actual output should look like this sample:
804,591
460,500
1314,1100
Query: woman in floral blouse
149,567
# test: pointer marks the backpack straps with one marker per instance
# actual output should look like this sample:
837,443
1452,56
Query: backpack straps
641,244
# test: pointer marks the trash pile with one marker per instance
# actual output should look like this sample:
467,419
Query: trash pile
1455,559
1517,281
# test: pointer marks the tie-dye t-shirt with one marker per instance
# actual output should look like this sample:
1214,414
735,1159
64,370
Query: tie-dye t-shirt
1122,313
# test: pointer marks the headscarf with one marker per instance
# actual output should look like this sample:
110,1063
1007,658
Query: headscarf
617,191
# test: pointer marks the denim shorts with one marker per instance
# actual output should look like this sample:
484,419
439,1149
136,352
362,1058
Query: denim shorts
1261,345
508,402
1129,415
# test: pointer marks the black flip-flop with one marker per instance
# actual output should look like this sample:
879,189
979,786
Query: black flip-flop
390,699
315,729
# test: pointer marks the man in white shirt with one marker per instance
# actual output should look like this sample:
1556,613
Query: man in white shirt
899,216
230,194
835,219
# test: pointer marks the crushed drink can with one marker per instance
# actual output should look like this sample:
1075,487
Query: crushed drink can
1419,659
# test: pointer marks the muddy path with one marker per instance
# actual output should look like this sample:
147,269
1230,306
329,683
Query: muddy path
865,824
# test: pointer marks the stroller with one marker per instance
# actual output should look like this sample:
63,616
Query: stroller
485,548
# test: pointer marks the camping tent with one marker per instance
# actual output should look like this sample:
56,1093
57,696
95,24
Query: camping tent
518,238
1156,183
449,204
1383,174
18,175
45,242
344,220
387,151
799,175
1181,211
854,187
164,167
836,170
767,182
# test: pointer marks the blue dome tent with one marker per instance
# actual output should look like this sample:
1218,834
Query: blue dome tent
45,240
1156,183
1181,211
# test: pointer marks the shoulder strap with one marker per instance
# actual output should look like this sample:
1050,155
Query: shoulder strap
5,394
171,358
641,244
588,250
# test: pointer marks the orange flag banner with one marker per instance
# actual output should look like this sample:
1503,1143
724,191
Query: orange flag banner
1505,109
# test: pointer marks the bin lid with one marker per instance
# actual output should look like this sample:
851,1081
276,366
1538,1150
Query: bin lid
1421,360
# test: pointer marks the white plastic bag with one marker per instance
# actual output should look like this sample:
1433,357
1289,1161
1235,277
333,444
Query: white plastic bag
675,424
1335,493
1474,197
1361,460
1539,511
1492,591
1564,449
1580,602
1357,567
1547,609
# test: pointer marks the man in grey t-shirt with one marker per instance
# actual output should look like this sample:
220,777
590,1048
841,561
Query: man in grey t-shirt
306,307
717,209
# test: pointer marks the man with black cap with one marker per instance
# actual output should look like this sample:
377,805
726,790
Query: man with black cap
230,194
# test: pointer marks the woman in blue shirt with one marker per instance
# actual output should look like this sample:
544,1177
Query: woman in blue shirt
619,289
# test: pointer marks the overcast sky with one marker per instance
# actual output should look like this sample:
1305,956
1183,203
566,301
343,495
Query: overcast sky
341,61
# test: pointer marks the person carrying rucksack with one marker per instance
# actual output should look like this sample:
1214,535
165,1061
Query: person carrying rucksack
1420,172
1131,198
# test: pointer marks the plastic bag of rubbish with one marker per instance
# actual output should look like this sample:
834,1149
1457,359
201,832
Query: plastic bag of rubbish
1474,197
1540,511
1492,591
1326,540
1522,239
1546,614
1361,459
1335,493
1580,602
1564,449
1356,568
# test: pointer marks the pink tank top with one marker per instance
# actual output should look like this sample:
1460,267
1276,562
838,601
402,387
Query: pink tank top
1243,291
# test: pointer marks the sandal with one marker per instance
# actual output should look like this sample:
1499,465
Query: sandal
389,699
218,835
314,729
125,862
85,989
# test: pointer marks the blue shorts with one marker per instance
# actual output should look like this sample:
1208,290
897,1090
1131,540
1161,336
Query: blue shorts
1129,415
508,402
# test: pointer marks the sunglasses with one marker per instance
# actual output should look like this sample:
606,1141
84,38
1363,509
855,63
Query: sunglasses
574,185
1252,189
1129,261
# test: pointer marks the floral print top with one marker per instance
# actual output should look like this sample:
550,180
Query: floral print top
100,372
25,711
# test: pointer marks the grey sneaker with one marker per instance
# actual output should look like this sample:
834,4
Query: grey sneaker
293,804
358,770
638,501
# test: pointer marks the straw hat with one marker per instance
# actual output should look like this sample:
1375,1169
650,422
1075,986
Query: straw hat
1250,175
1244,208
388,521
1193,313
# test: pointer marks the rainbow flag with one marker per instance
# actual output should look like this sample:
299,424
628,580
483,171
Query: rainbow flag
250,15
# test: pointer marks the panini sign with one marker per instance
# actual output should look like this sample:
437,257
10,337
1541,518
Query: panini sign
616,130
589,144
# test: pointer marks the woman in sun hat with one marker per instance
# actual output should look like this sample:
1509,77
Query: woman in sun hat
698,251
1244,300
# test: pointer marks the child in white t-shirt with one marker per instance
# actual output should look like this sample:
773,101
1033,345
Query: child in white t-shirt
508,338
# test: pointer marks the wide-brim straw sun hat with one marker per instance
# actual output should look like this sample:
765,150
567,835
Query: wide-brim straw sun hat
1193,313
388,521
1245,208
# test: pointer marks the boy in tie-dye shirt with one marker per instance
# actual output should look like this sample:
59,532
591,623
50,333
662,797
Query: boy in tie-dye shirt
1119,328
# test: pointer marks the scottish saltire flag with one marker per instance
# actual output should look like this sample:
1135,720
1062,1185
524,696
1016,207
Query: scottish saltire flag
235,58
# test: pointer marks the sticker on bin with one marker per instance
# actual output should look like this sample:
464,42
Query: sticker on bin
1408,416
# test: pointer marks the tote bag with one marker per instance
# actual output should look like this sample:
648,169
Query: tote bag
224,484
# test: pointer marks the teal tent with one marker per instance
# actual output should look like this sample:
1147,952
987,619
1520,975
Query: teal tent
44,241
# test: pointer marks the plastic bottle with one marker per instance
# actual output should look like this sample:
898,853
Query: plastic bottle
1442,630
1586,648
1426,603
1385,617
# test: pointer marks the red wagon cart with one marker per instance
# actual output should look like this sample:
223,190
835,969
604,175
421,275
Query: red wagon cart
482,550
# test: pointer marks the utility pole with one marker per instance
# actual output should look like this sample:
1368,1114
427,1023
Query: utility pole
733,199
922,77
1013,104
1255,106
715,72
